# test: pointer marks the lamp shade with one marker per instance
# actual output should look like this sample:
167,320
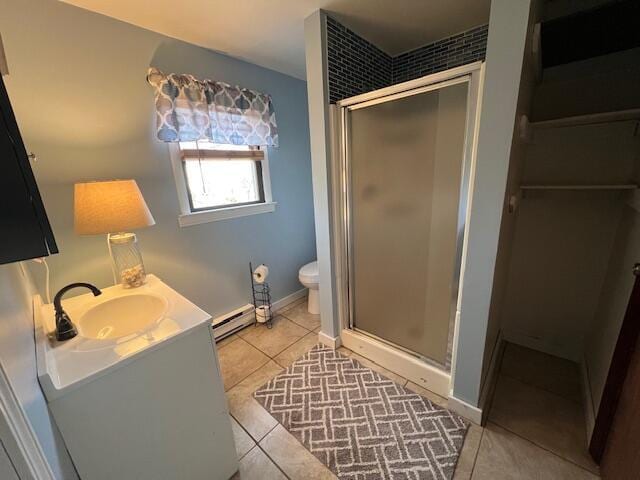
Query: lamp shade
109,207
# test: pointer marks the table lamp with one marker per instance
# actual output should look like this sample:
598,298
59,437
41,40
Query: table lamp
113,208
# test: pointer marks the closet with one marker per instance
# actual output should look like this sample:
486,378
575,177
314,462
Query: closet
574,198
577,180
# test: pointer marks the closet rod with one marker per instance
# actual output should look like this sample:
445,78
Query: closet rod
579,187
590,119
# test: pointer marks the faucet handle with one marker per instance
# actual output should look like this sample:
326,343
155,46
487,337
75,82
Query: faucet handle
65,329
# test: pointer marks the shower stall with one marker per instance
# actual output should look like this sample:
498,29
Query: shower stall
402,186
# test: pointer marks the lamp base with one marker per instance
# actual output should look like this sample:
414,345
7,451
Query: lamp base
126,259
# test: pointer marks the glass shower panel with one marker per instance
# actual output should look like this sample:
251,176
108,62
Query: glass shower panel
405,168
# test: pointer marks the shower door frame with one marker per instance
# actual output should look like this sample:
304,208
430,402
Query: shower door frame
394,357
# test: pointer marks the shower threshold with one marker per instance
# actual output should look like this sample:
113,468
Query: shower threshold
424,372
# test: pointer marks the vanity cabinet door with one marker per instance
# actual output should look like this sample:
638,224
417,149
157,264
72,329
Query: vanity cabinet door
24,228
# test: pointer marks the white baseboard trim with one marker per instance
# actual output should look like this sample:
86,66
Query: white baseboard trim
489,386
405,365
465,409
289,299
331,342
223,327
587,399
478,414
541,345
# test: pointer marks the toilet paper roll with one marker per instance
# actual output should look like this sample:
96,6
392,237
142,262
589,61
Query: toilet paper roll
261,273
263,313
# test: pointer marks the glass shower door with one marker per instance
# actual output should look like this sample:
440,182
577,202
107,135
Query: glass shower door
404,171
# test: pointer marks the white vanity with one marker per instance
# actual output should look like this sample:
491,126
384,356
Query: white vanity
138,393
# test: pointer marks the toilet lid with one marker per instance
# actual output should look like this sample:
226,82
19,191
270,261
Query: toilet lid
310,272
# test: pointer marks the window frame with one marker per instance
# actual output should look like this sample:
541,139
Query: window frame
190,216
260,184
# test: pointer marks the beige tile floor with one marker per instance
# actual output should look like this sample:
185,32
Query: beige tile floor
535,428
536,424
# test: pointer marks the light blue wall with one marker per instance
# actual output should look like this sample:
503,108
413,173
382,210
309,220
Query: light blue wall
78,87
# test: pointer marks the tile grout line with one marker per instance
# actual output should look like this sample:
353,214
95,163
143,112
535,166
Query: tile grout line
245,431
248,375
292,320
275,464
272,460
288,346
256,347
220,347
475,457
267,453
279,352
297,341
270,430
541,447
540,388
256,441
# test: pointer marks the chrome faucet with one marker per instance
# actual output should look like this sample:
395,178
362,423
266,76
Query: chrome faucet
65,329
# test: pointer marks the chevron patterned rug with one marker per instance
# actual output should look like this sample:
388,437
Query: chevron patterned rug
360,424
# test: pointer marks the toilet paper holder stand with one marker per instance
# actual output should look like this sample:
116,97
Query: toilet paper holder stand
261,295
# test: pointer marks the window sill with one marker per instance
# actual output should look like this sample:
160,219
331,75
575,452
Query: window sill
206,216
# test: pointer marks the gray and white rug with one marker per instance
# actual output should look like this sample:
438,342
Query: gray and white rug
360,424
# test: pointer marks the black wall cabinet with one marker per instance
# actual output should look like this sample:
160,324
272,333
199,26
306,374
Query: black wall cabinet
25,231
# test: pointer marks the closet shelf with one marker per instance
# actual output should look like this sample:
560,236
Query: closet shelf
629,186
590,119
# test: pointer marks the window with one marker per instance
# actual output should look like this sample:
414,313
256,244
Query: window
217,182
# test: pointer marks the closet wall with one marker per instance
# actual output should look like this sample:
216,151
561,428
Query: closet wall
563,238
517,156
601,84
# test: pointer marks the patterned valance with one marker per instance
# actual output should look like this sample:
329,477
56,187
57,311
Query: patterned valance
190,109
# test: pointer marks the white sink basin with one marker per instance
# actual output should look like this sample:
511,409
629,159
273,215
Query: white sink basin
119,324
122,316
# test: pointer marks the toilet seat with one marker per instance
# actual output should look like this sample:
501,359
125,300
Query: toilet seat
308,274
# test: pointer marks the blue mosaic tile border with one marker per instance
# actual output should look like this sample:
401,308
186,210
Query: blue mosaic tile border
357,66
450,52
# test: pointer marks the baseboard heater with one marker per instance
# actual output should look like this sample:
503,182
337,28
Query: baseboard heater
231,322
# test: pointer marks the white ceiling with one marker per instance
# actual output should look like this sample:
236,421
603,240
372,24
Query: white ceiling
271,32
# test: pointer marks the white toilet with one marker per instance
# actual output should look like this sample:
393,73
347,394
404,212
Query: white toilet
308,276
